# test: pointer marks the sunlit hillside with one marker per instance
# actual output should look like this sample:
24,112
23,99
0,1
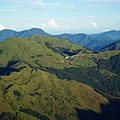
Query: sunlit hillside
46,78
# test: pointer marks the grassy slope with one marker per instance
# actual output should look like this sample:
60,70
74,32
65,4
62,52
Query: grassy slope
22,49
55,42
33,51
41,91
46,94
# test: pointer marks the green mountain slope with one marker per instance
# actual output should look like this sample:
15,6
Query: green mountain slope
104,77
43,93
38,50
25,51
30,89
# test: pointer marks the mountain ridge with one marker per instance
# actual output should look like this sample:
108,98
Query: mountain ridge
112,46
91,41
113,34
6,33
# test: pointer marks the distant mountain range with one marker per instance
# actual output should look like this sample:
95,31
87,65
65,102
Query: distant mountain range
80,38
92,41
113,34
10,33
112,46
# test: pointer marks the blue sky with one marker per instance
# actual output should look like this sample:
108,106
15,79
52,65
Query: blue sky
64,16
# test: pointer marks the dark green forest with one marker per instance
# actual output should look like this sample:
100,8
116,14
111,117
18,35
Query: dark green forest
93,77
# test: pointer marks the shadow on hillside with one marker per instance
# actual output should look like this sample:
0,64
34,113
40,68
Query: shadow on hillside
8,69
109,112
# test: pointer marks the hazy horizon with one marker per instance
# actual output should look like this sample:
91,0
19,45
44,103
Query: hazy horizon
55,17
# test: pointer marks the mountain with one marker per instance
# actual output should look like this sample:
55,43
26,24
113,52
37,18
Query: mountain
92,41
106,38
47,78
31,32
81,38
10,33
112,46
6,34
112,34
37,46
85,40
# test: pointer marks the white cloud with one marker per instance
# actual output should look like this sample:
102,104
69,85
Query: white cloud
55,4
94,25
66,27
43,25
106,30
52,23
32,26
2,27
40,3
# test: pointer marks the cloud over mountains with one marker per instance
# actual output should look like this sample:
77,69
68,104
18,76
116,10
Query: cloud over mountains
51,24
2,27
94,25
